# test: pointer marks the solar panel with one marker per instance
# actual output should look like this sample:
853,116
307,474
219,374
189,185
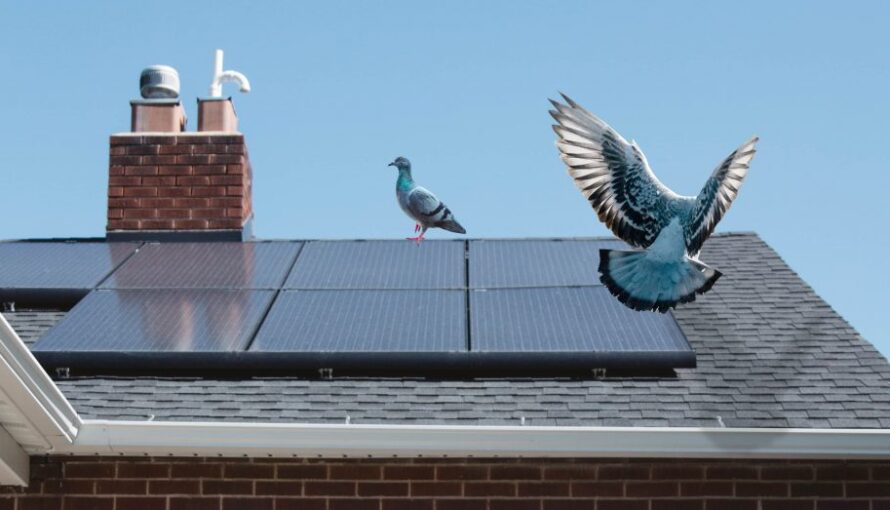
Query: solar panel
379,265
575,319
132,321
536,263
36,265
365,321
259,265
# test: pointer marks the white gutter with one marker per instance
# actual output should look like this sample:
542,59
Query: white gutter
336,440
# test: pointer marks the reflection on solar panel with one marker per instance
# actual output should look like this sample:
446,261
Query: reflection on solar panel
379,265
536,263
261,265
159,320
49,265
365,321
576,319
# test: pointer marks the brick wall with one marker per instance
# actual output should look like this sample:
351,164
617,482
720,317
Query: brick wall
178,182
444,484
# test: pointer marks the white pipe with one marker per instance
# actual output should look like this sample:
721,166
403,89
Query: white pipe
106,437
220,77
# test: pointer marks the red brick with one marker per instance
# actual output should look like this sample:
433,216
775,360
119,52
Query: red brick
786,504
123,225
89,470
143,149
164,139
706,488
210,170
569,504
196,470
167,180
222,224
140,213
731,504
217,159
677,472
235,169
409,472
63,486
514,504
156,224
235,148
121,487
570,473
140,503
817,489
235,180
125,140
40,503
143,470
881,472
174,192
226,487
515,473
191,202
404,504
190,224
193,159
490,488
841,504
367,489
868,490
788,472
209,191
677,504
174,487
461,473
88,503
435,488
248,503
169,159
125,160
460,504
193,180
353,504
183,148
117,151
115,191
195,503
216,213
141,170
623,472
210,148
761,489
235,191
842,472
123,202
543,489
175,170
731,473
597,489
115,214
153,203
329,488
116,170
226,139
652,489
290,488
302,471
140,192
300,504
252,471
173,213
622,504
124,181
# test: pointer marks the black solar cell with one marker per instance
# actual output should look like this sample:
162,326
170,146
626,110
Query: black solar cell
536,262
254,265
379,265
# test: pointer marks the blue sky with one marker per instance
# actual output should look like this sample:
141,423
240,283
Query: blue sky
460,88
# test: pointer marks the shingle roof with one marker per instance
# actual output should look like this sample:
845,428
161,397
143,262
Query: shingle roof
771,353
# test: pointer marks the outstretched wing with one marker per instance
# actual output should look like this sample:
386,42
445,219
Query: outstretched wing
613,174
717,195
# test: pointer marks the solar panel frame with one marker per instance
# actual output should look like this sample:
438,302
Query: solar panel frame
365,321
378,264
127,322
516,263
569,320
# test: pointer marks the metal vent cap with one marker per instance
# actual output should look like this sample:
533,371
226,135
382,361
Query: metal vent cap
159,82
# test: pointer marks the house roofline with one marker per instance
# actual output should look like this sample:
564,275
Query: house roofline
112,437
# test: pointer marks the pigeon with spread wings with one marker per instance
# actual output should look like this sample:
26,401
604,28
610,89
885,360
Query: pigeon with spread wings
670,229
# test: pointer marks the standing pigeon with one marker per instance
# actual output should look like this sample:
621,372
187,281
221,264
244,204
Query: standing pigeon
615,177
421,205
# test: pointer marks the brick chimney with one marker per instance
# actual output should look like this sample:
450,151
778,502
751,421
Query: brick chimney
178,185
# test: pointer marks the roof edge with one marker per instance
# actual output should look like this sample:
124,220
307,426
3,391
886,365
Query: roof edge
112,437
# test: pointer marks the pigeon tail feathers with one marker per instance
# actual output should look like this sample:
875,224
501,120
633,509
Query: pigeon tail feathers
452,226
644,281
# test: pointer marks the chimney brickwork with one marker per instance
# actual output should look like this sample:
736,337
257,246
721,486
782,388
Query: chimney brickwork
197,182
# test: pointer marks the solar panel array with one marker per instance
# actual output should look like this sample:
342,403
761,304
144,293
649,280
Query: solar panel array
457,305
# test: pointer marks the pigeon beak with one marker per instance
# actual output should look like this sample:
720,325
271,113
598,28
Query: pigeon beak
392,164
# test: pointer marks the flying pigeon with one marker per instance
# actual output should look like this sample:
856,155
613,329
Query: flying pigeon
615,177
421,205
